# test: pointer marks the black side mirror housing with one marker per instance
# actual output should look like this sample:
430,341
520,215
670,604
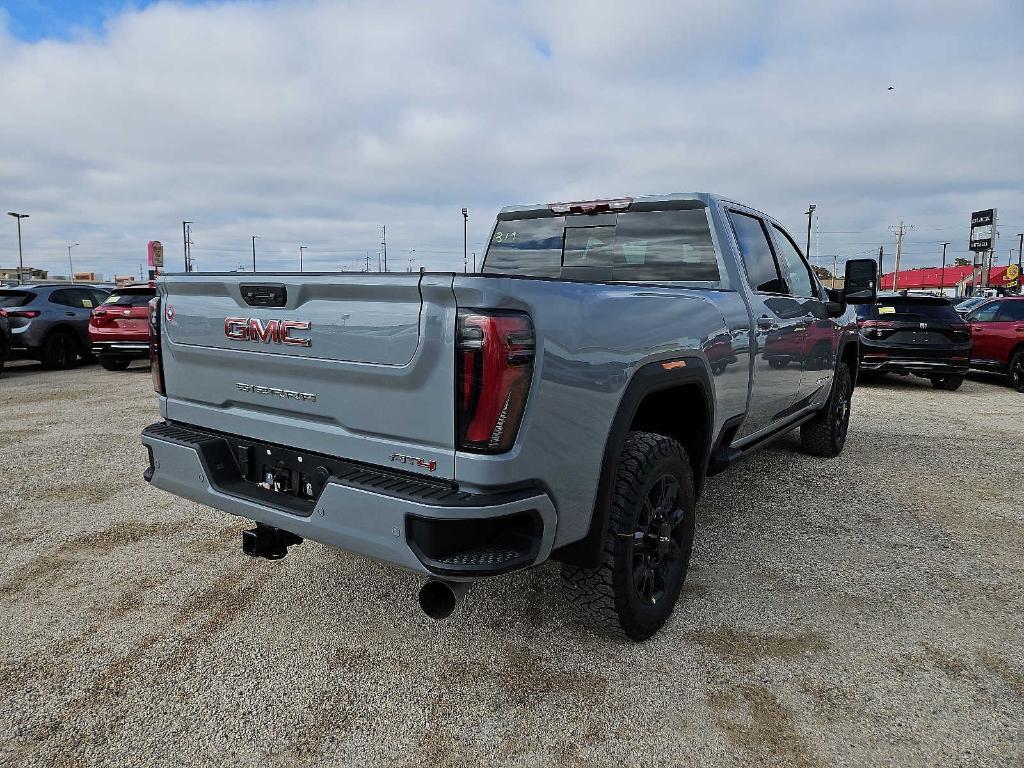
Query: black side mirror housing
835,308
861,283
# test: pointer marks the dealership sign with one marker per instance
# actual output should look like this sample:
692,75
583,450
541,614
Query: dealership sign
983,229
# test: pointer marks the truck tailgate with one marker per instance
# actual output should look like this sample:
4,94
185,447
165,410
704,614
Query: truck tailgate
357,366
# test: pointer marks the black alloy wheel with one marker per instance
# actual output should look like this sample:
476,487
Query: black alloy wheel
1017,370
658,540
61,350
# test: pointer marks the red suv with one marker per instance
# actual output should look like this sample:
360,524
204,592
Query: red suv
998,330
119,327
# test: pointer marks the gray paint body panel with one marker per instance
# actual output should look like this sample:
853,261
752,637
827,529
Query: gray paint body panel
382,392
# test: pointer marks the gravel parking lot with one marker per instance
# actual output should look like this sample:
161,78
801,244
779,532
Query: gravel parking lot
866,610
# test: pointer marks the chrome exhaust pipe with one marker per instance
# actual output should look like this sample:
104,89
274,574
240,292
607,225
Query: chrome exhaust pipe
439,599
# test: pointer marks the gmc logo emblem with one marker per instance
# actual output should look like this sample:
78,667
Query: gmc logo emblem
277,331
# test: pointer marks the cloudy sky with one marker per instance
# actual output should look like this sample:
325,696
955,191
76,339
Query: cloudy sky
315,123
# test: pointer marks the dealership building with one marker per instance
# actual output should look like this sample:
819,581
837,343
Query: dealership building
951,281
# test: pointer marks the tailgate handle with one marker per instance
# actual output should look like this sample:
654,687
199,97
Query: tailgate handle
264,295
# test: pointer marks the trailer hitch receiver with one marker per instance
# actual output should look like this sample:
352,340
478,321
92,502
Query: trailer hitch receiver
268,542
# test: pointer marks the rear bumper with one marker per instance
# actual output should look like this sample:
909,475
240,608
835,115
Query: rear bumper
385,517
130,349
893,359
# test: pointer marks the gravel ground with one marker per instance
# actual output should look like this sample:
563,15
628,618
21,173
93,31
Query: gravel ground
865,610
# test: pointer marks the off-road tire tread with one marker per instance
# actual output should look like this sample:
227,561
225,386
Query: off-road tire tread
591,592
816,434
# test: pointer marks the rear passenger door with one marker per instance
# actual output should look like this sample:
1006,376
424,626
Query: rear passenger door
779,327
819,336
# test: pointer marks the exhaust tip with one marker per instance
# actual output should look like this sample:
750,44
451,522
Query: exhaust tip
439,599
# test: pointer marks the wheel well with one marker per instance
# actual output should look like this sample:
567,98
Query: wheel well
681,413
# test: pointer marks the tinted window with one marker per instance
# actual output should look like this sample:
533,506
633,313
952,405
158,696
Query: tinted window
762,273
637,246
98,296
986,313
15,298
903,309
531,247
1011,311
60,297
798,275
133,298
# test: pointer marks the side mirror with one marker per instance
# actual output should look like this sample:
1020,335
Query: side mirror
861,283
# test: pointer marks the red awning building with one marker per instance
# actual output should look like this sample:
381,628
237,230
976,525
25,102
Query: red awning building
934,279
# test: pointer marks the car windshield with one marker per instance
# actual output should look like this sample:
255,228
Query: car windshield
904,308
135,298
15,298
673,245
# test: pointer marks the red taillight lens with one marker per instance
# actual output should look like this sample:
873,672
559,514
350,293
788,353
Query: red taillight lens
99,317
155,361
494,367
28,314
876,329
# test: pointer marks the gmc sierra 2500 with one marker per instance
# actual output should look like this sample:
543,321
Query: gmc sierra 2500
566,403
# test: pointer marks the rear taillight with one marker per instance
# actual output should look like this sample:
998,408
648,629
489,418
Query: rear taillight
493,371
876,329
99,317
28,314
155,361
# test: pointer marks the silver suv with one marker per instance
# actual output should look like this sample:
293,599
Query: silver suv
50,323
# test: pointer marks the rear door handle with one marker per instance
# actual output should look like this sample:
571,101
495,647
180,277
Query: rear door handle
70,314
765,322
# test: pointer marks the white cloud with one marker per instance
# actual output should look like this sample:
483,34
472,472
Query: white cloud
315,123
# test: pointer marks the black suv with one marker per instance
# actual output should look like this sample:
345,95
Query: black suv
922,335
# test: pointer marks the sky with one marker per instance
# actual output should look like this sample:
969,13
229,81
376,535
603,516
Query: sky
317,123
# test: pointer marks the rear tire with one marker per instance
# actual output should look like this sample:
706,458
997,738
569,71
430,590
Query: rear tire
1015,373
825,434
647,545
949,382
114,363
60,350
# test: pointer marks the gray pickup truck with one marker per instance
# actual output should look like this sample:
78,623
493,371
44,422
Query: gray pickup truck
567,403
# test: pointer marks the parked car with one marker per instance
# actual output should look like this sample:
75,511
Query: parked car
920,335
119,327
50,323
561,405
998,330
965,304
5,338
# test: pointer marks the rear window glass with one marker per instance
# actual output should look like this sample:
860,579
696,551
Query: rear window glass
903,309
634,246
15,298
136,298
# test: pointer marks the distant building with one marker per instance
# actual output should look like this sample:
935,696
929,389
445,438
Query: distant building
30,273
953,281
87,277
122,280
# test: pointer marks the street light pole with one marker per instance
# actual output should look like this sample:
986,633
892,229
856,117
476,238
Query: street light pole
810,216
254,239
71,268
186,235
301,249
465,239
942,275
21,260
1020,247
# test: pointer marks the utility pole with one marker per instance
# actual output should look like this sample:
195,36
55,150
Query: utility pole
254,239
942,274
411,259
380,265
881,253
1020,248
465,239
810,215
21,260
474,262
301,249
384,245
901,232
186,239
71,268
367,262
142,275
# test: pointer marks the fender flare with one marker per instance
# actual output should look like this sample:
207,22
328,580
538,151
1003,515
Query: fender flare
649,378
